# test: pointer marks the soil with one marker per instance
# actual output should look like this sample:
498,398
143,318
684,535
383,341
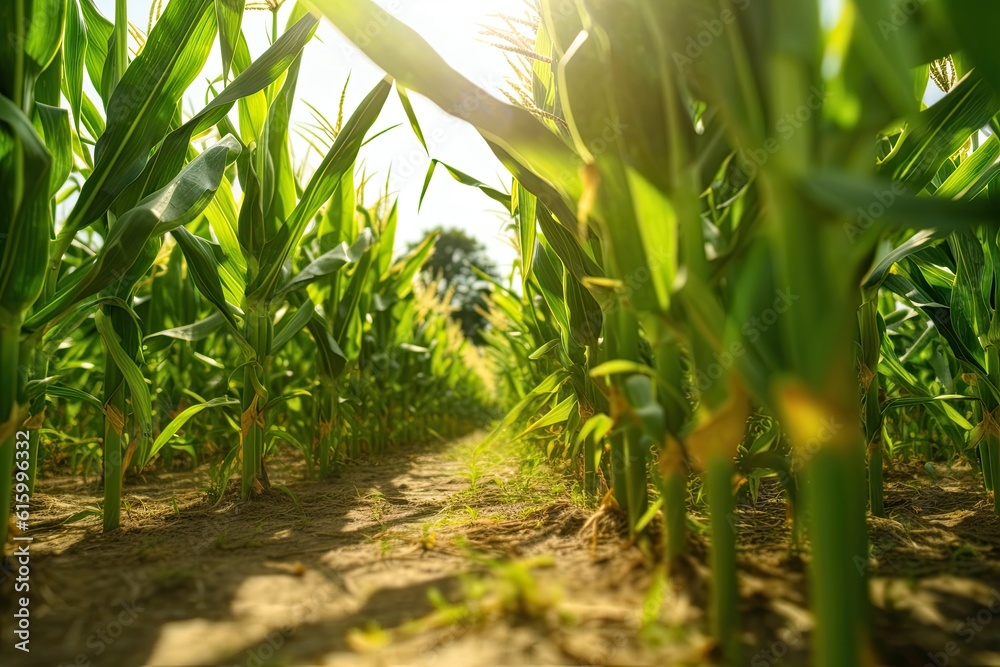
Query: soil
451,555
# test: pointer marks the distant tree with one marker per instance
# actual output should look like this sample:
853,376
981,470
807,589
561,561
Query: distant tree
455,253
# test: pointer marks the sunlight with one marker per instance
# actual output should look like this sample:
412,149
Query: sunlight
467,333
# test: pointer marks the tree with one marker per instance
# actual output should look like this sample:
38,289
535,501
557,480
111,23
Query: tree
455,254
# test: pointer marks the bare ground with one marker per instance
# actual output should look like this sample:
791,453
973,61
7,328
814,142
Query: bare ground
453,556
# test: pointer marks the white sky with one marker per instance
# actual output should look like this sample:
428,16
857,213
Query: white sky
452,27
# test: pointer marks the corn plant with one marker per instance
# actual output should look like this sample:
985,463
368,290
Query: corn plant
152,215
248,286
793,148
133,103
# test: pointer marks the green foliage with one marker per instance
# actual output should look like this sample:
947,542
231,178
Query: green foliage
695,225
192,261
762,258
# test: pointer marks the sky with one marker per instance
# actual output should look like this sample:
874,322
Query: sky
453,28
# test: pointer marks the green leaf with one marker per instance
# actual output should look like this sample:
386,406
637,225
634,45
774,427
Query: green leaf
556,415
341,158
935,134
532,401
909,401
204,260
523,208
291,325
199,330
98,34
348,310
75,47
261,73
464,179
598,427
56,132
178,422
657,225
332,360
387,240
138,389
922,239
974,174
173,206
327,264
73,394
404,270
544,349
24,213
143,106
854,196
229,16
36,34
973,22
621,367
404,99
81,515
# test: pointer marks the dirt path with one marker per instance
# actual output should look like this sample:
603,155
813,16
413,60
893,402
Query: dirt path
432,557
456,555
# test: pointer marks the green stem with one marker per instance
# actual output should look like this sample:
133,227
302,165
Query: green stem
590,466
121,39
676,411
619,478
117,414
114,427
991,444
986,461
871,341
875,484
258,333
251,435
725,590
675,510
40,368
628,455
636,474
839,557
10,345
992,457
327,437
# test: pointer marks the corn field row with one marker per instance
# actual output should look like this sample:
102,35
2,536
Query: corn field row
194,263
748,251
